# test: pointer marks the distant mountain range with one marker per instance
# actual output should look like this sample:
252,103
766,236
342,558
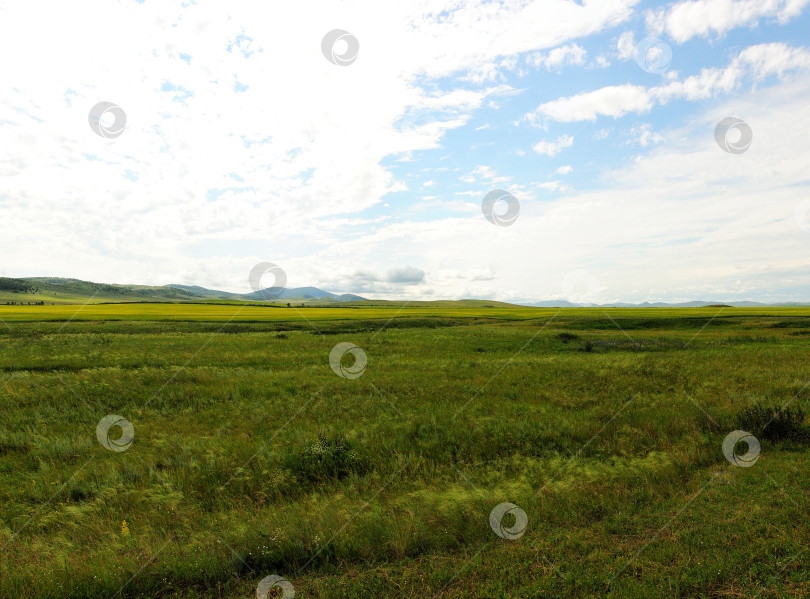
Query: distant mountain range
60,290
693,304
296,293
31,289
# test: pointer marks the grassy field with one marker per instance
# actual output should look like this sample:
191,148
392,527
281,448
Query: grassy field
252,457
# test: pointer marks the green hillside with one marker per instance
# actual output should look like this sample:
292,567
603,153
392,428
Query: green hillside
55,290
63,291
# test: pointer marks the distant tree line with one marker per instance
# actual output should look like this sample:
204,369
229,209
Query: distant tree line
26,303
17,286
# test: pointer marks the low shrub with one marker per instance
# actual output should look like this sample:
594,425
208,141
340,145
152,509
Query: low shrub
327,458
771,422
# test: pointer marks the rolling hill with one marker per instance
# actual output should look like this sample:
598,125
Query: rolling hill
33,290
63,290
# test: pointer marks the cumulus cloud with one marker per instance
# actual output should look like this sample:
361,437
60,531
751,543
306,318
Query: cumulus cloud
643,135
687,19
626,45
241,138
243,143
686,221
758,62
484,174
406,274
613,100
571,54
551,148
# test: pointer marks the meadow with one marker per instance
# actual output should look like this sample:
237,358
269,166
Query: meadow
253,457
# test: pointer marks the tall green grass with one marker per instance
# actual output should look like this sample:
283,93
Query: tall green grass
252,457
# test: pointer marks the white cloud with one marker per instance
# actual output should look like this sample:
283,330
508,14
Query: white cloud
551,148
758,61
626,45
613,100
687,19
688,220
774,59
283,170
644,136
572,54
224,178
553,186
484,174
564,170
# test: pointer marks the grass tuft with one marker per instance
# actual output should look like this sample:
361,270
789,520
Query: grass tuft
328,458
773,423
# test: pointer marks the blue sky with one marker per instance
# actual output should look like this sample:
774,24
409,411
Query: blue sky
244,143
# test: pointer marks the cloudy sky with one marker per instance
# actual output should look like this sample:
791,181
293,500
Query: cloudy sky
359,161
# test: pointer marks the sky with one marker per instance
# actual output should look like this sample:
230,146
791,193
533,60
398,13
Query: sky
595,151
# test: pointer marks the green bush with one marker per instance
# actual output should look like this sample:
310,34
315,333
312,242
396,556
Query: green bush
327,458
771,422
